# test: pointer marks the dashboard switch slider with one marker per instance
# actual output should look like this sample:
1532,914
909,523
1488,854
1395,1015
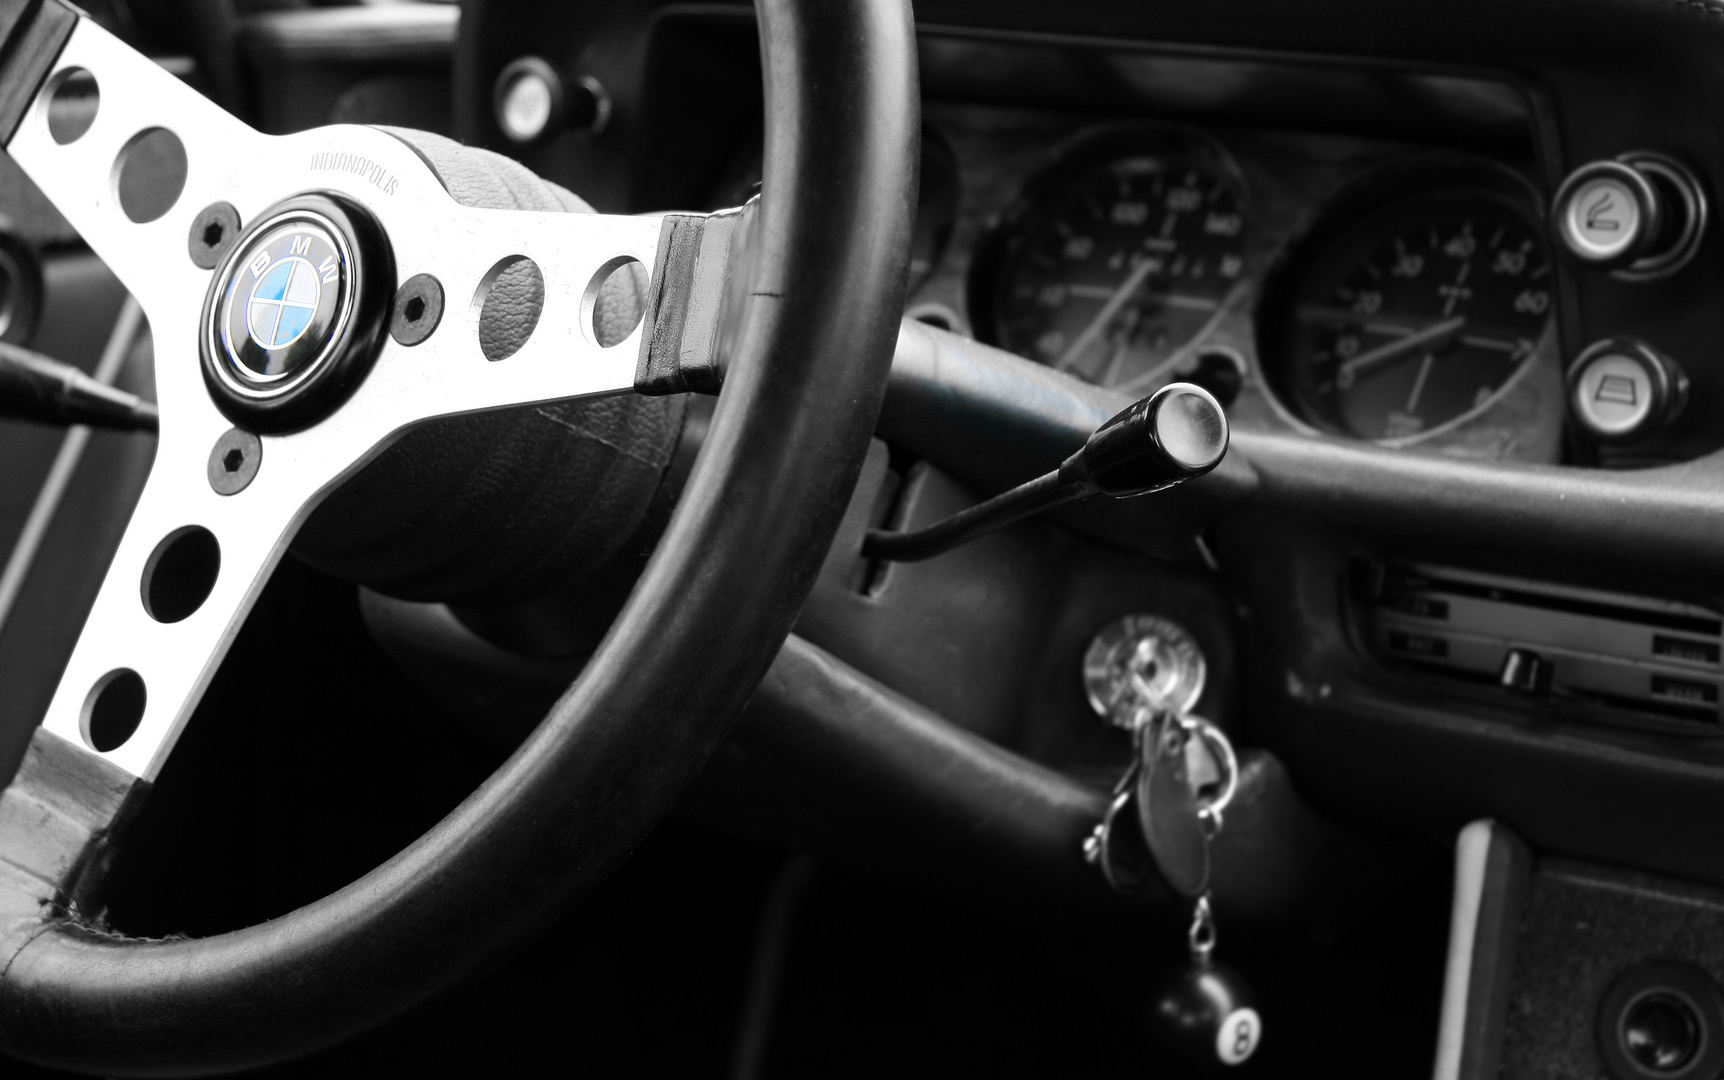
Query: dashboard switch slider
1621,390
1525,671
1173,435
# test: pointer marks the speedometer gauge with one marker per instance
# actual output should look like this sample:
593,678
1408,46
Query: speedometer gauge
1117,258
1415,315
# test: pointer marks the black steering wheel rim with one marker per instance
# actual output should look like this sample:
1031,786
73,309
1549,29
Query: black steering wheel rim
813,346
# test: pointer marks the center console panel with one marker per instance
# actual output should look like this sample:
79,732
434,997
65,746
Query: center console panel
1563,968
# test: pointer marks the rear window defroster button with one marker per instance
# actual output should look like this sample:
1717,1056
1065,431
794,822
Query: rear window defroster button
1622,390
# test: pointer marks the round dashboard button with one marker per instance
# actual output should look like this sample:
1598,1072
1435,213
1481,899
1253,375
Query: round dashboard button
1622,389
1641,216
1603,217
1607,214
529,100
1615,394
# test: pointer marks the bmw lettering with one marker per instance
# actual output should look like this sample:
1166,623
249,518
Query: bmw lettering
283,300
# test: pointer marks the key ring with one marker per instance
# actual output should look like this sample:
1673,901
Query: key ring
1225,760
1119,852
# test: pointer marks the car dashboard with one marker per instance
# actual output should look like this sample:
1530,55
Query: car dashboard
1311,178
1454,278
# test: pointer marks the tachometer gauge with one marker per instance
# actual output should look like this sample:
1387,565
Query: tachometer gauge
1414,316
1117,258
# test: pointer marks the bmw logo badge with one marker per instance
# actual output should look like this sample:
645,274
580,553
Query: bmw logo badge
292,316
285,296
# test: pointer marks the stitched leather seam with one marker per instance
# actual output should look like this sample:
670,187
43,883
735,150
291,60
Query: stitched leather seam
47,924
626,451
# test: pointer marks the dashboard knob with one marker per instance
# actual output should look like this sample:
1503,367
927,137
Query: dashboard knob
532,102
1621,390
1641,215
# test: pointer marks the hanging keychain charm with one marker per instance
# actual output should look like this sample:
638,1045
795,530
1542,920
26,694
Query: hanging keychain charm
1206,1011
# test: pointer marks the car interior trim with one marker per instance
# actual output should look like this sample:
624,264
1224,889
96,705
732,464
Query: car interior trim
53,489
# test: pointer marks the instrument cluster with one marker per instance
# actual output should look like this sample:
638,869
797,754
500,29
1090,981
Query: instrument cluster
1117,258
1412,307
1334,285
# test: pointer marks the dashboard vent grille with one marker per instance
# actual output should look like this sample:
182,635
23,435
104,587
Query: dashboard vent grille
1653,658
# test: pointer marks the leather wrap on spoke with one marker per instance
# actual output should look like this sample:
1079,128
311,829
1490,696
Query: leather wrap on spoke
497,508
715,604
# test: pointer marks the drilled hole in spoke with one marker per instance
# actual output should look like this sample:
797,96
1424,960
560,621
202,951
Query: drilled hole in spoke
615,299
113,709
70,103
509,300
181,572
149,174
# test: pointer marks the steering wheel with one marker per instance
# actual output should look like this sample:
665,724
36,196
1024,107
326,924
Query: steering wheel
286,361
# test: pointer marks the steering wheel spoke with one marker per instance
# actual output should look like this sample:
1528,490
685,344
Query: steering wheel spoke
464,256
185,575
108,119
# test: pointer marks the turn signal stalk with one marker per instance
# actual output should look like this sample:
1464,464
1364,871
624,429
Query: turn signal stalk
1177,433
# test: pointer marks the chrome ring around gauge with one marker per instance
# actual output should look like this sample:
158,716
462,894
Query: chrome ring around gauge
1415,304
1117,258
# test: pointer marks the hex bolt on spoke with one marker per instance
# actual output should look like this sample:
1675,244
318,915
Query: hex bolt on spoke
234,461
213,231
417,311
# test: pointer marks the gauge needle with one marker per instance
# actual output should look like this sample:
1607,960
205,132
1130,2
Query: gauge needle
1419,382
1138,383
1431,338
1132,283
